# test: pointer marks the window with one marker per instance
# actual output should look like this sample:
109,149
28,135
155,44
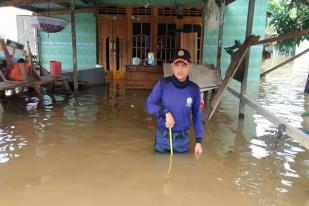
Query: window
141,40
166,42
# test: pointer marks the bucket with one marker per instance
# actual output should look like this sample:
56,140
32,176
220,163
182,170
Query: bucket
55,68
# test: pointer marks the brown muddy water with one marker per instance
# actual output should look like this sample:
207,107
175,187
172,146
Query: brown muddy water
97,149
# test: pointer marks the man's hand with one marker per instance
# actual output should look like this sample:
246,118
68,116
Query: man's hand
169,123
198,150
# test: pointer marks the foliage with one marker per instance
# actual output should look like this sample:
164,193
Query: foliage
289,16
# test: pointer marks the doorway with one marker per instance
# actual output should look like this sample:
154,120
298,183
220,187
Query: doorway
113,47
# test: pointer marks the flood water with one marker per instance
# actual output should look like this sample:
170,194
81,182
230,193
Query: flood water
97,149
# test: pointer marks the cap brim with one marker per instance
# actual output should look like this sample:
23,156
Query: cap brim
181,60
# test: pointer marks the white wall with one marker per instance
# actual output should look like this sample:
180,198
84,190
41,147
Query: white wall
8,28
304,59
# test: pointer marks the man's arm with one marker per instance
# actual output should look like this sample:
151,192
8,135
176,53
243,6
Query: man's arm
198,125
152,102
197,118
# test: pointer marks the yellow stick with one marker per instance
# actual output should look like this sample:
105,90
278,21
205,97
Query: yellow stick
171,141
171,149
170,165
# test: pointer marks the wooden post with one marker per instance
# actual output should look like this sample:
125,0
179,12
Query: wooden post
30,62
66,85
73,28
243,88
293,132
220,34
9,61
154,31
130,33
1,108
307,85
283,63
236,61
290,35
38,48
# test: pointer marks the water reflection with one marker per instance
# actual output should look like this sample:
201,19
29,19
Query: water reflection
270,172
10,144
275,172
81,110
43,117
93,147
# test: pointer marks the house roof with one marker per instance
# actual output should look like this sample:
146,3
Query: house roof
43,6
56,5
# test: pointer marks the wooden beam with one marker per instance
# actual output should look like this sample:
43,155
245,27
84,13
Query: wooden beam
30,59
293,132
66,5
129,31
30,8
9,61
243,86
1,109
282,37
87,2
3,77
307,86
31,62
154,31
283,63
74,52
68,11
220,35
236,61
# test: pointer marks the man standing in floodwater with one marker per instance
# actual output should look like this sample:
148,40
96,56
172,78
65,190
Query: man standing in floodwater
171,102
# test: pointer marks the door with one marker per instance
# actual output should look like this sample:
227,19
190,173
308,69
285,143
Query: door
113,47
188,41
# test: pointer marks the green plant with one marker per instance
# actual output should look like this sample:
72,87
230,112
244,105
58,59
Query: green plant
289,16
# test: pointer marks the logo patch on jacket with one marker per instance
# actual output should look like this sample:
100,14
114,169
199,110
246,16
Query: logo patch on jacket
189,102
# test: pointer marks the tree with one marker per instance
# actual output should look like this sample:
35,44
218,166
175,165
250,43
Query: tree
289,16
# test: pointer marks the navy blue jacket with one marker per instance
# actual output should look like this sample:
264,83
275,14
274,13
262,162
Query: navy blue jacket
180,99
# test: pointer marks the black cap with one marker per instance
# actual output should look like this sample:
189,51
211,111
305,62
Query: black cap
181,54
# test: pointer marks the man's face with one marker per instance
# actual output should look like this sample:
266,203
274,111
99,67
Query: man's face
181,69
